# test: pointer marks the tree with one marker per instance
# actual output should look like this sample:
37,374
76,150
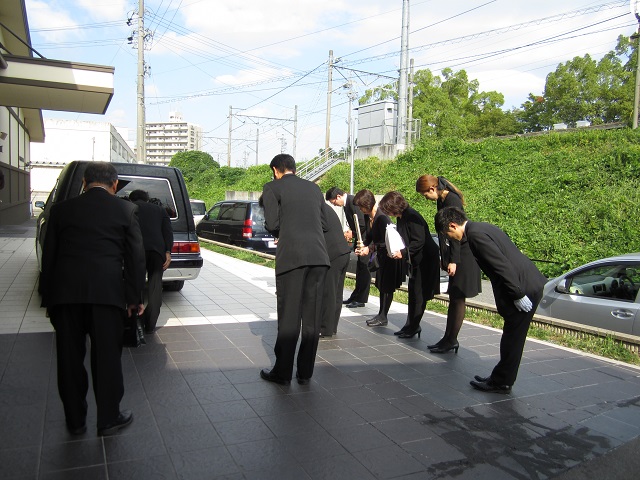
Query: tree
195,164
586,89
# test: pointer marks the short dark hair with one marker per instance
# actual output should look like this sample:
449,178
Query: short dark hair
283,162
364,199
393,203
103,173
139,195
449,215
334,192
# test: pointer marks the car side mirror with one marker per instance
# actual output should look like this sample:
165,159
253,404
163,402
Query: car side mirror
39,204
561,287
206,216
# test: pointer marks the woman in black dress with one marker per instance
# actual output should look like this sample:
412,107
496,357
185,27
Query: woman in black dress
421,255
456,258
391,273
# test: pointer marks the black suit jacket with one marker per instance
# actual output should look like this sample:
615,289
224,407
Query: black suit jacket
349,210
89,240
334,237
511,273
414,230
155,225
293,212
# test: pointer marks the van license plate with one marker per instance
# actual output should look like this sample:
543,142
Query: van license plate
272,244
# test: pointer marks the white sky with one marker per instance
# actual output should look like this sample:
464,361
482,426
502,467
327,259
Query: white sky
263,57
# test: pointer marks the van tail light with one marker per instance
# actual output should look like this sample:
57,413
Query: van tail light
185,247
247,230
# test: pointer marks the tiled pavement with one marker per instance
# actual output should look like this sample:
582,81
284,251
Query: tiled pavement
377,406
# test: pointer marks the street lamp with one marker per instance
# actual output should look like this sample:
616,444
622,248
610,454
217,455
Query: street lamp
634,5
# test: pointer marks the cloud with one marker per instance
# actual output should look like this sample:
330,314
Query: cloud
514,85
50,21
244,77
105,10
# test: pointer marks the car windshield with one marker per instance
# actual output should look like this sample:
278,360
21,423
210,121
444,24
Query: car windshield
198,208
159,190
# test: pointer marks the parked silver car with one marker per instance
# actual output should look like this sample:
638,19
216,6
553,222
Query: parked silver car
601,294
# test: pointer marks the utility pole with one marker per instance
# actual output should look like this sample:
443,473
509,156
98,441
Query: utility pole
328,127
141,150
295,129
352,96
402,82
636,36
229,142
410,102
257,142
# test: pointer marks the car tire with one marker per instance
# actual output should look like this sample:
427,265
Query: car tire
174,286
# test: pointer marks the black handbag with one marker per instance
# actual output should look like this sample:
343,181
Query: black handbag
374,263
133,332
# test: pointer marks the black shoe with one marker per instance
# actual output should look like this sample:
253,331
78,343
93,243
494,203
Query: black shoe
270,377
402,330
325,335
355,305
437,344
302,381
76,430
446,347
377,322
478,378
348,300
149,331
490,387
124,419
411,333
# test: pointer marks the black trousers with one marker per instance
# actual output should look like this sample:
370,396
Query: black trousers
332,296
154,289
299,298
104,325
514,335
363,281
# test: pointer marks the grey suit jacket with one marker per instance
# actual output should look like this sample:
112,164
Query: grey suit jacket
512,274
293,213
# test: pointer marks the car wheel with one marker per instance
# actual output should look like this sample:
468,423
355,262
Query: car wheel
174,286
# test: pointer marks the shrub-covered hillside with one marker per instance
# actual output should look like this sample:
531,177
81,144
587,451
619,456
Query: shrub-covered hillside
565,198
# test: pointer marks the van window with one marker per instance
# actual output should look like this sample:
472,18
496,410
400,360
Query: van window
159,190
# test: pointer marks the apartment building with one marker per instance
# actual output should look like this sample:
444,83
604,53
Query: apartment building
165,139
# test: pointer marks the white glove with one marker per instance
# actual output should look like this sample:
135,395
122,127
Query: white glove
523,304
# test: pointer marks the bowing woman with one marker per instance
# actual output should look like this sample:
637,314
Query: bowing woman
456,259
421,255
391,272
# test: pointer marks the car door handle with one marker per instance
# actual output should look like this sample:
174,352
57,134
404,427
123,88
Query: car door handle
622,314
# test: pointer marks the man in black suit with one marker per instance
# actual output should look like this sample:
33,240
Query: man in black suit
158,241
517,288
92,275
339,198
338,250
293,213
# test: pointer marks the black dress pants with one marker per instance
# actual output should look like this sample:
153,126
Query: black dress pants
299,298
154,289
363,281
514,336
332,297
104,325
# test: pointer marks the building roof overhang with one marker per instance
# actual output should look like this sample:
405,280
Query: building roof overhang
40,83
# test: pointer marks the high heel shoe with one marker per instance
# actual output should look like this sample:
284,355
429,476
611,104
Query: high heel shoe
437,344
402,330
411,333
446,347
